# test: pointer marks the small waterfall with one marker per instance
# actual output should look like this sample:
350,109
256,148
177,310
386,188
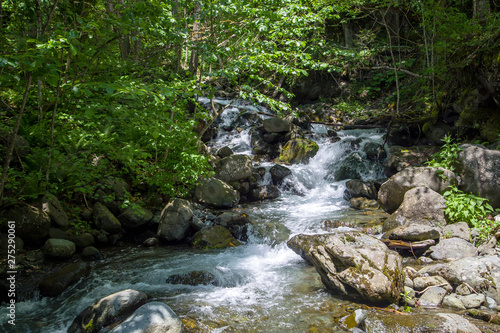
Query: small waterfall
261,286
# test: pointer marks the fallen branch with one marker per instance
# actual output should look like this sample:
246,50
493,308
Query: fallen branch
423,291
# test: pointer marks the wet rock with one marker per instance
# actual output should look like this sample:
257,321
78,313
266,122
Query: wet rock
372,150
278,173
82,240
380,322
479,169
175,220
354,264
91,253
472,301
421,206
451,301
298,151
266,192
224,152
413,233
485,315
105,220
151,242
481,273
32,224
432,297
463,290
216,193
214,237
237,224
451,249
154,317
355,319
359,188
234,168
59,248
57,282
458,230
401,158
363,203
193,278
107,310
133,218
49,204
351,167
490,303
276,125
391,193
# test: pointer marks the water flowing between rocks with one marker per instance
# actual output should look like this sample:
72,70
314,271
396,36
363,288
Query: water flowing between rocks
261,286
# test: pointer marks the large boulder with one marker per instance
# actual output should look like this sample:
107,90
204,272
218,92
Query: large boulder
298,151
234,168
49,204
216,193
276,125
59,281
278,173
391,193
265,192
105,220
107,310
353,264
133,218
481,273
421,206
59,248
401,158
175,220
154,317
236,223
479,169
358,188
32,224
452,249
214,237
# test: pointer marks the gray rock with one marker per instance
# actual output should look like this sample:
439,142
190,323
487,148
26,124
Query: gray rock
441,270
49,204
216,193
175,220
58,233
266,192
278,173
106,310
214,237
459,230
91,253
132,218
32,224
414,233
351,167
488,247
237,224
481,273
57,282
82,240
463,290
154,317
105,220
453,302
479,169
391,193
490,303
224,152
432,297
452,248
354,264
276,125
363,203
422,282
401,158
359,188
422,206
234,168
59,248
472,301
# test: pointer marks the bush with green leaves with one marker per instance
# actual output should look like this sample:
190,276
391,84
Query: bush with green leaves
447,157
469,208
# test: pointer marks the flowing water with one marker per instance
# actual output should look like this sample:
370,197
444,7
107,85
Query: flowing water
262,286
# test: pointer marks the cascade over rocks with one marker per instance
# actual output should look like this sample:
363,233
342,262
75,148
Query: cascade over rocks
391,193
216,193
107,310
298,151
422,206
154,317
479,169
353,264
175,220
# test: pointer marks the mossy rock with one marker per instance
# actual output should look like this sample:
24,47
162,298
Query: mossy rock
298,151
214,237
490,131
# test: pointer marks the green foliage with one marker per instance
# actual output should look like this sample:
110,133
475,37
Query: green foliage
447,157
470,209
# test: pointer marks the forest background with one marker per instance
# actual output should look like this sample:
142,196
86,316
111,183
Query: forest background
91,89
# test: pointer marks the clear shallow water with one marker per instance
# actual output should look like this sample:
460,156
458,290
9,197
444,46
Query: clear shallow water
262,286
